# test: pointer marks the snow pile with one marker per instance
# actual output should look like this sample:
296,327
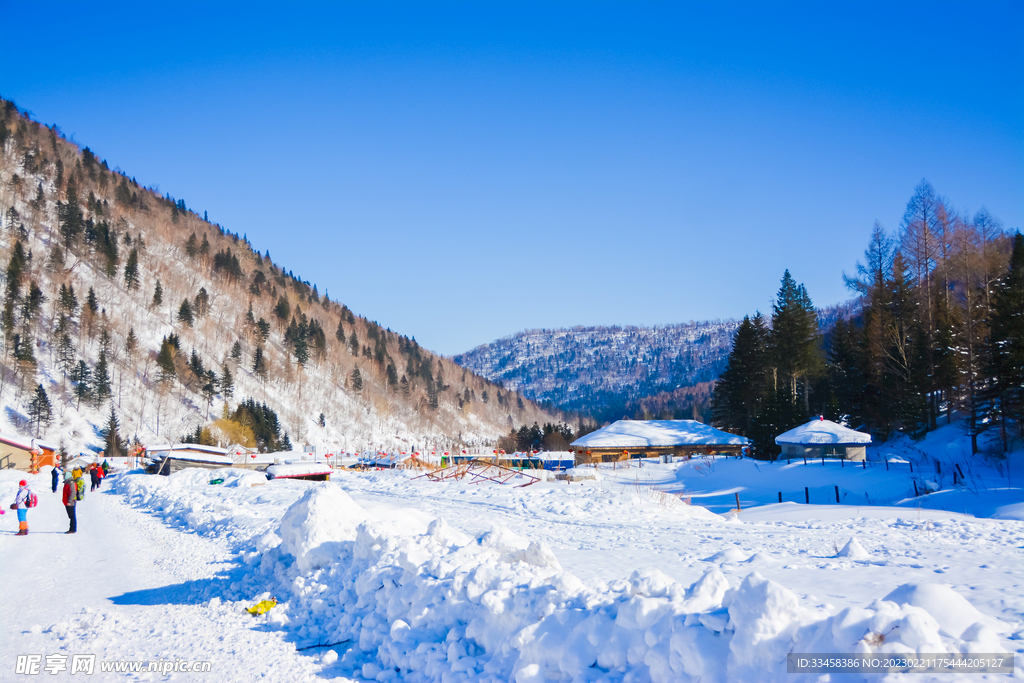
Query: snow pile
442,605
298,469
315,526
853,550
180,500
949,609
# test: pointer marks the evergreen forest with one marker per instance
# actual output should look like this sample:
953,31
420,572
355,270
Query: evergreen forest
939,338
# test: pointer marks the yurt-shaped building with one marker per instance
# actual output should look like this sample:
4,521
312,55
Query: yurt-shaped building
821,438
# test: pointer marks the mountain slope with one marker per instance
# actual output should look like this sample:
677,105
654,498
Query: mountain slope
599,370
85,251
609,372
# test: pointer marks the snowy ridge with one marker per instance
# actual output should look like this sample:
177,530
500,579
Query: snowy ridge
438,604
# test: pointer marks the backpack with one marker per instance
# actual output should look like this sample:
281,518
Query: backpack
79,489
32,500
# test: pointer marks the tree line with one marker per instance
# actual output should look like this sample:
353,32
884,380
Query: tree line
939,337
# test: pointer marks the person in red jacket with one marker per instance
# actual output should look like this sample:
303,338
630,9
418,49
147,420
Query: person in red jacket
70,498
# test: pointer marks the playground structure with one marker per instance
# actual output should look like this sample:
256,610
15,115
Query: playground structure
479,472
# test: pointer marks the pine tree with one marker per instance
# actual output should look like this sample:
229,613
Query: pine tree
69,217
259,364
236,351
158,294
65,353
845,375
131,270
113,445
92,307
185,313
209,388
779,413
101,378
339,334
356,380
1006,364
793,342
131,342
165,360
227,382
81,377
744,384
67,302
40,411
282,310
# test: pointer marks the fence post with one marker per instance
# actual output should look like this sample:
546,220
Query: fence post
837,494
823,457
780,496
842,461
738,502
807,496
887,463
805,458
864,463
911,466
915,490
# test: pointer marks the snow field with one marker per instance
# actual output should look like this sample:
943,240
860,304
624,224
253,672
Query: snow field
404,595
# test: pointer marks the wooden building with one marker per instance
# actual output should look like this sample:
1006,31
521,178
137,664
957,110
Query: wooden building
627,439
25,454
169,459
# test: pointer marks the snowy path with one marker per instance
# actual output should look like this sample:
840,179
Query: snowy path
126,587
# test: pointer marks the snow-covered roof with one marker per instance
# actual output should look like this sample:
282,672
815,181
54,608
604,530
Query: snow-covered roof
298,469
192,452
652,433
824,433
25,443
164,448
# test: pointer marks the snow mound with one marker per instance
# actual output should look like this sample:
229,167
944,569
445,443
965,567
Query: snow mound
951,610
442,604
727,555
853,550
314,528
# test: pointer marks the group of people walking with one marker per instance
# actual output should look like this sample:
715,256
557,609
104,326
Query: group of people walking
72,493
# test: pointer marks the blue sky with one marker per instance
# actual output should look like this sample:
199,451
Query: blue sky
459,172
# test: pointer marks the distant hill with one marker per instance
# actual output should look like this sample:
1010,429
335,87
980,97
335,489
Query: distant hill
611,372
116,296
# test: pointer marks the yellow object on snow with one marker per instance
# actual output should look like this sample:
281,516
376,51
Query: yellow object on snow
262,607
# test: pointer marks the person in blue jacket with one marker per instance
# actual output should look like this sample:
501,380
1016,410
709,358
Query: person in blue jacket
55,477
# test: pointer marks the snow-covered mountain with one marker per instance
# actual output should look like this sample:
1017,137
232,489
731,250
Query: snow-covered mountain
599,370
95,265
608,371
